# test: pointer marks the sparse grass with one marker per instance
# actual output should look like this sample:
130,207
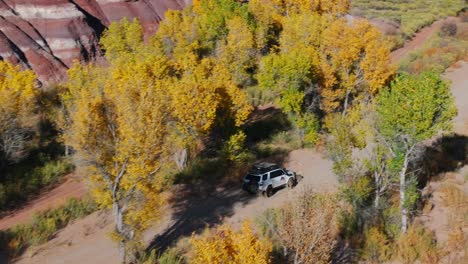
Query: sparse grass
410,15
25,179
44,226
170,256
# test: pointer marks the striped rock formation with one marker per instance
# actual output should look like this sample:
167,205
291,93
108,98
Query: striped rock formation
47,36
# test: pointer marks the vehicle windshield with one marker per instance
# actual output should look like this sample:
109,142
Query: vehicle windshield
252,177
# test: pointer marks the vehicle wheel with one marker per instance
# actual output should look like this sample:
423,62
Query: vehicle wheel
253,188
290,184
269,191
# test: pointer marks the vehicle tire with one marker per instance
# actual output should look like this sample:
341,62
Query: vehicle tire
290,184
269,191
252,188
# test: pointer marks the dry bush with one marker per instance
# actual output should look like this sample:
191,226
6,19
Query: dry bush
306,228
377,248
454,198
464,17
449,29
418,244
456,239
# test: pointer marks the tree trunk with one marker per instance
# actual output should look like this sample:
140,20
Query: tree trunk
181,158
345,107
119,229
377,198
403,209
296,257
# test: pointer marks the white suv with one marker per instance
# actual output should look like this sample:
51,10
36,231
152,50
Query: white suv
265,177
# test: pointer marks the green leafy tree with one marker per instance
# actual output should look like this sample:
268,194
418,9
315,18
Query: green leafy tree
413,109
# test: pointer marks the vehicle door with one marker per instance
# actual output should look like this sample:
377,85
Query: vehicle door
277,178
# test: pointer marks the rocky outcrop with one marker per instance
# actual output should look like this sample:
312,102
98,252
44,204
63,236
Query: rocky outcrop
47,36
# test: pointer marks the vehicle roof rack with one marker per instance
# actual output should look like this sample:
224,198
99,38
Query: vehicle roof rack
263,167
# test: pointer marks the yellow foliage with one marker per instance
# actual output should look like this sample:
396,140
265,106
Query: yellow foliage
229,247
18,95
238,52
127,119
355,59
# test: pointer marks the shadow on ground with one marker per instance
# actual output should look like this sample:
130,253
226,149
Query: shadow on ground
197,206
446,154
196,209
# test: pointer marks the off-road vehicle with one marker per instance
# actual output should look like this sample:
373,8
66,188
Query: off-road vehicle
265,177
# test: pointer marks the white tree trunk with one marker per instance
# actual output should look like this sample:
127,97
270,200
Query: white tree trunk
345,107
377,198
403,209
119,228
180,158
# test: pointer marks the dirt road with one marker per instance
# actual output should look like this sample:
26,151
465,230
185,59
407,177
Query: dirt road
418,40
71,187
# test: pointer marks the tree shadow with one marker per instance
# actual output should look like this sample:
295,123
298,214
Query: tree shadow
264,123
198,206
196,209
446,154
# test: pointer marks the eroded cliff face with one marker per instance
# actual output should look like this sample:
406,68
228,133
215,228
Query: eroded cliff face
48,35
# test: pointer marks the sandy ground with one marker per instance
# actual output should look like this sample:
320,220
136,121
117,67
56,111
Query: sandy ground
458,75
85,241
439,219
71,187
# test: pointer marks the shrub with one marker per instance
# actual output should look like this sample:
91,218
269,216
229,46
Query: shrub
170,256
448,29
464,17
376,246
52,170
227,246
27,178
305,228
418,244
234,148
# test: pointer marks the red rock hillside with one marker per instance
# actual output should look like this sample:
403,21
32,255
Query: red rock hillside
48,35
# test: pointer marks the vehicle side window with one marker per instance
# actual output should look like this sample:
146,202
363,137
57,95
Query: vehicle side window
276,173
265,177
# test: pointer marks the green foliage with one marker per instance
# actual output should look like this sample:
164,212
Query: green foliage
122,38
412,193
235,147
391,218
287,74
44,226
415,107
170,256
212,17
308,125
358,191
